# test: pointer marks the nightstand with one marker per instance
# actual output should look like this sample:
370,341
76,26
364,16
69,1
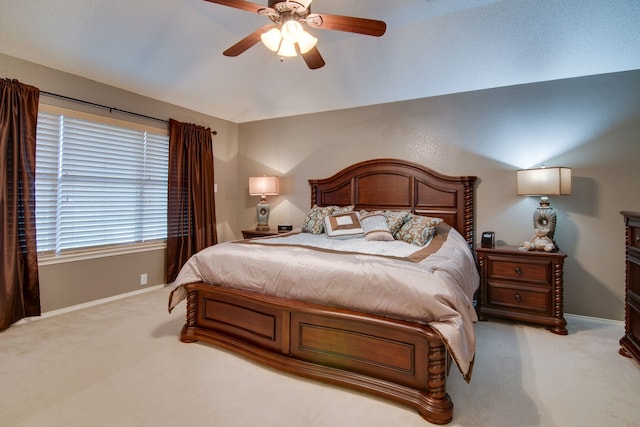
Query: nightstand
252,232
522,285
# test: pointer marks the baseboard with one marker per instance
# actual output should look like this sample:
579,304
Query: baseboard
86,305
598,319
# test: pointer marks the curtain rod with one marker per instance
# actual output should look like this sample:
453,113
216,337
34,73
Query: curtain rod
82,101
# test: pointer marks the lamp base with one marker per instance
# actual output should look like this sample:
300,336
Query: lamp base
534,245
262,212
544,225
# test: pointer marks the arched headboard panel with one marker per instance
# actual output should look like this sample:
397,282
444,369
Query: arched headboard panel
392,184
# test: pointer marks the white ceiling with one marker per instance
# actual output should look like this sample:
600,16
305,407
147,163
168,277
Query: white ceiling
171,50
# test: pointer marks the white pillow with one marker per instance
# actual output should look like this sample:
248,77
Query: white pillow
343,225
376,228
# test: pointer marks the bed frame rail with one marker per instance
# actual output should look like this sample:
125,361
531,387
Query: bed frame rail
400,361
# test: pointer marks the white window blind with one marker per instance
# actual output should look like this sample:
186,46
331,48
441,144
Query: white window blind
98,184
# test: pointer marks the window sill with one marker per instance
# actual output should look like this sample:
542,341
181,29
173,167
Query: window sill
99,253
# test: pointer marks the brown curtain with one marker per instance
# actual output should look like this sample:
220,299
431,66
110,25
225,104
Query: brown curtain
19,287
191,214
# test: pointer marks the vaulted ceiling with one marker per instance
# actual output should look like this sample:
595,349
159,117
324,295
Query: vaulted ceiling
171,50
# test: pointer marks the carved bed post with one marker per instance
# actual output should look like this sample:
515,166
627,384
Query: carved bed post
469,182
186,334
437,396
314,195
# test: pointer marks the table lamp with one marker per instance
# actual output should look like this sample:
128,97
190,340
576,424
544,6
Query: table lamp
544,182
263,186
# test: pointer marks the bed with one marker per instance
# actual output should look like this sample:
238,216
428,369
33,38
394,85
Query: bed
404,360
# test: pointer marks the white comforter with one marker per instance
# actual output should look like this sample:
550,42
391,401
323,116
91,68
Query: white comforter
361,275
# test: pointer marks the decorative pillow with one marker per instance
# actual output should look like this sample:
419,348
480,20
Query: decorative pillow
343,225
376,228
314,222
395,220
342,209
418,230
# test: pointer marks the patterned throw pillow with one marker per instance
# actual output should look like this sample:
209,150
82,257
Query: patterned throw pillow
418,230
314,222
342,209
375,227
343,225
395,220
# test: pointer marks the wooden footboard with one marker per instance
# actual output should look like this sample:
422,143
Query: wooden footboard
401,361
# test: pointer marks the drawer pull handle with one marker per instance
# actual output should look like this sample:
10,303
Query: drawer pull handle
518,270
518,297
638,238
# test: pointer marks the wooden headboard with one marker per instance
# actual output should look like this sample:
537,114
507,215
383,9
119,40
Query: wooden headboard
392,184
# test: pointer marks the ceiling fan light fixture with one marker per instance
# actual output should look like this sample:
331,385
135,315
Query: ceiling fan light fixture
306,42
287,48
271,39
286,34
292,31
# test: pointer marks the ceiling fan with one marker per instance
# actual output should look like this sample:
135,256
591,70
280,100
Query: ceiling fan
286,35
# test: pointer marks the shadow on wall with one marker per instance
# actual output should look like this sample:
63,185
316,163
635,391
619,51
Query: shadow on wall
225,176
605,176
583,291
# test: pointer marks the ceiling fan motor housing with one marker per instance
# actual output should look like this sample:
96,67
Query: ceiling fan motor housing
302,7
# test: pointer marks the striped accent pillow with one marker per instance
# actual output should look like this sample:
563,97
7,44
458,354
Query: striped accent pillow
376,228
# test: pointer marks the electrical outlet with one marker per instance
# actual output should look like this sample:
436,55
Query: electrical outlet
143,279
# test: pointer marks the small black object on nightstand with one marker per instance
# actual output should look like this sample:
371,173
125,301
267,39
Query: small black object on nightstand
488,239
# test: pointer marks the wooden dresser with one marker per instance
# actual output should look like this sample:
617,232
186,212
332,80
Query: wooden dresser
630,342
522,285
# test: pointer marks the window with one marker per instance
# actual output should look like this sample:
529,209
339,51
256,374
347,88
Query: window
98,182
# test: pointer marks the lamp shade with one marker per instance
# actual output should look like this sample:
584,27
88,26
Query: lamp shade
552,181
263,185
287,48
306,42
271,39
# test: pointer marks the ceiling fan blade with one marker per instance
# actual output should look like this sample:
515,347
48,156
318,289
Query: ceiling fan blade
239,4
247,42
313,58
369,27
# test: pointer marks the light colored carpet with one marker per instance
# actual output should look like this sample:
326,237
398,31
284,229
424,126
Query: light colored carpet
121,364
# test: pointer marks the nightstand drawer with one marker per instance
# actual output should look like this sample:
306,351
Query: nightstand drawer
633,275
519,269
519,297
635,238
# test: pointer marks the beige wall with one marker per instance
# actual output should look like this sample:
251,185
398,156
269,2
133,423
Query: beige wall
76,282
591,124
